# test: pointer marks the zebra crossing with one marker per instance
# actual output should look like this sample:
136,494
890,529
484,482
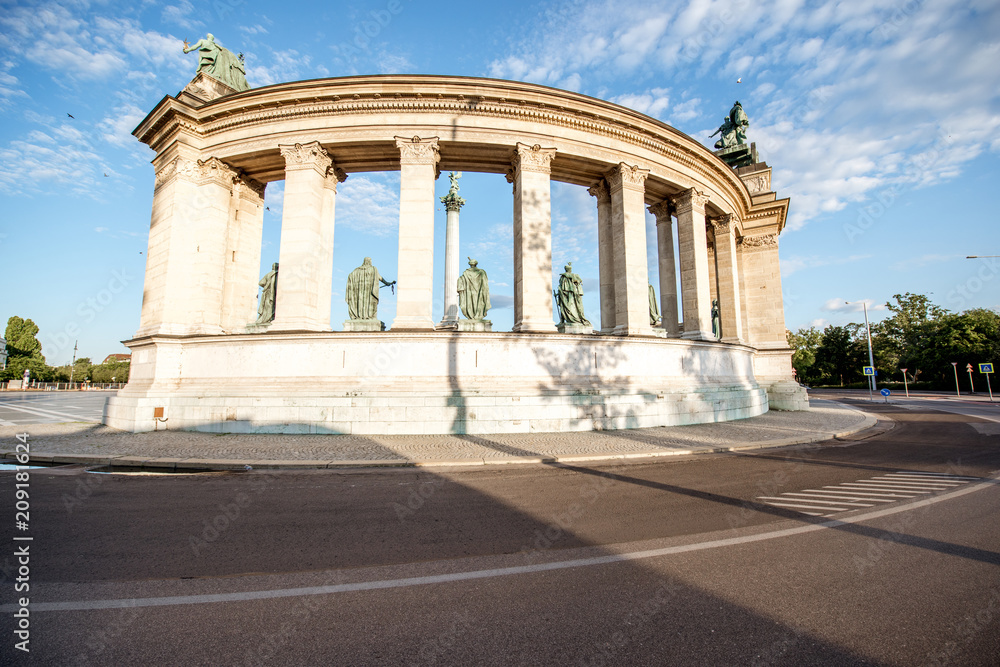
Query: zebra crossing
863,493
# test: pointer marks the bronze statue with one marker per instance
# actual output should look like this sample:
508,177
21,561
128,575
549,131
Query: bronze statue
361,294
265,310
569,298
474,292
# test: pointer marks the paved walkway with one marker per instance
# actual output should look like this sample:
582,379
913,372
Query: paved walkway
94,444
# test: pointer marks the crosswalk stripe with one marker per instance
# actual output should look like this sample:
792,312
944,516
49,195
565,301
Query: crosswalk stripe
880,487
946,475
810,507
920,482
814,500
868,493
844,498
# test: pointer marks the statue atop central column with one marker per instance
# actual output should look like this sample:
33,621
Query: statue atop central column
474,298
453,203
362,297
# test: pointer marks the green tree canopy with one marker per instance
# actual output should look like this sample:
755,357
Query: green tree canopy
21,339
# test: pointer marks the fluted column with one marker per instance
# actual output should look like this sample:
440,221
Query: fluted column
305,258
530,170
605,254
727,270
185,260
668,267
418,159
628,223
243,246
692,244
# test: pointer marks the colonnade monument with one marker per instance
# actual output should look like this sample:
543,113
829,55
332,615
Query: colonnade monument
206,358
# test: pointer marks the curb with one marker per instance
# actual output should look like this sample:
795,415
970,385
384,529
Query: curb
168,464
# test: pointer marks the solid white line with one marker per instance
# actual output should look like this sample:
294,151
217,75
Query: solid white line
43,413
128,603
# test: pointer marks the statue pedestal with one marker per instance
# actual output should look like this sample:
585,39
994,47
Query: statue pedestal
739,155
575,328
475,325
203,89
364,325
258,327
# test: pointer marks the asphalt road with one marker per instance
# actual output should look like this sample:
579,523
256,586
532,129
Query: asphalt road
702,561
22,408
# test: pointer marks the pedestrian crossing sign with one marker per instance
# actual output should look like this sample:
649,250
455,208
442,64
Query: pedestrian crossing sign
985,368
869,370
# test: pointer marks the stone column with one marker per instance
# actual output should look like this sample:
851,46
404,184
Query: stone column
305,258
531,167
243,245
628,223
418,160
668,267
727,270
452,262
605,254
693,247
185,260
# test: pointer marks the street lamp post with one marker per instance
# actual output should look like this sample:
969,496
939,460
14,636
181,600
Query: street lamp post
872,386
906,387
954,366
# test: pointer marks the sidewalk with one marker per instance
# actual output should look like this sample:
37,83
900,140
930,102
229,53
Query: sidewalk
95,444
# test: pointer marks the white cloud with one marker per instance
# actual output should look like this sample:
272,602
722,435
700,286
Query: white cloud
180,14
839,305
369,203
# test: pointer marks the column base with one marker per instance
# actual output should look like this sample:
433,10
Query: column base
699,335
258,327
587,329
298,325
179,330
364,325
447,324
733,341
624,330
412,324
534,327
475,325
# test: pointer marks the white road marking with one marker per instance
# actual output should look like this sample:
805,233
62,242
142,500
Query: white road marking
918,482
867,493
808,507
627,557
44,413
877,487
844,499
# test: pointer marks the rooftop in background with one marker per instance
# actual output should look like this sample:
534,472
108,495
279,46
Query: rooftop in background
116,358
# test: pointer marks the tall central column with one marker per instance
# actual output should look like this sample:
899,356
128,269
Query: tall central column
531,168
452,204
730,312
418,159
668,267
605,255
692,242
306,255
628,224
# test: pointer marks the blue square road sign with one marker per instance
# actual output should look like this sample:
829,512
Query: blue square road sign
985,368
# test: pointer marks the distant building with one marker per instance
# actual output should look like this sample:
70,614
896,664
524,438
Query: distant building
117,359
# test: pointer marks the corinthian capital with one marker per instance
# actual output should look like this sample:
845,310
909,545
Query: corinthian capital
532,158
662,212
601,191
690,200
724,224
418,151
626,176
305,156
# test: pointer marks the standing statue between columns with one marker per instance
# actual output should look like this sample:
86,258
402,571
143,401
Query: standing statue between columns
474,298
362,296
654,308
269,283
569,299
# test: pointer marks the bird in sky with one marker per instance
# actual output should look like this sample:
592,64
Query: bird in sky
105,174
739,80
268,208
71,115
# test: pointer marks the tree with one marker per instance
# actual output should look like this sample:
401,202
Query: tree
21,340
805,342
115,371
841,353
15,369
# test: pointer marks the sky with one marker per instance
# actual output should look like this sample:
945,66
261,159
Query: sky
880,119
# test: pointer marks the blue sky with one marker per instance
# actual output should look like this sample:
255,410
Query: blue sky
881,121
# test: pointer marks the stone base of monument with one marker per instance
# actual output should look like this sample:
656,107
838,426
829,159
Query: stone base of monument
575,328
364,325
433,383
256,327
475,325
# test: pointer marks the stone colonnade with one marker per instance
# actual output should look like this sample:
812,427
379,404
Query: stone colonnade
205,210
